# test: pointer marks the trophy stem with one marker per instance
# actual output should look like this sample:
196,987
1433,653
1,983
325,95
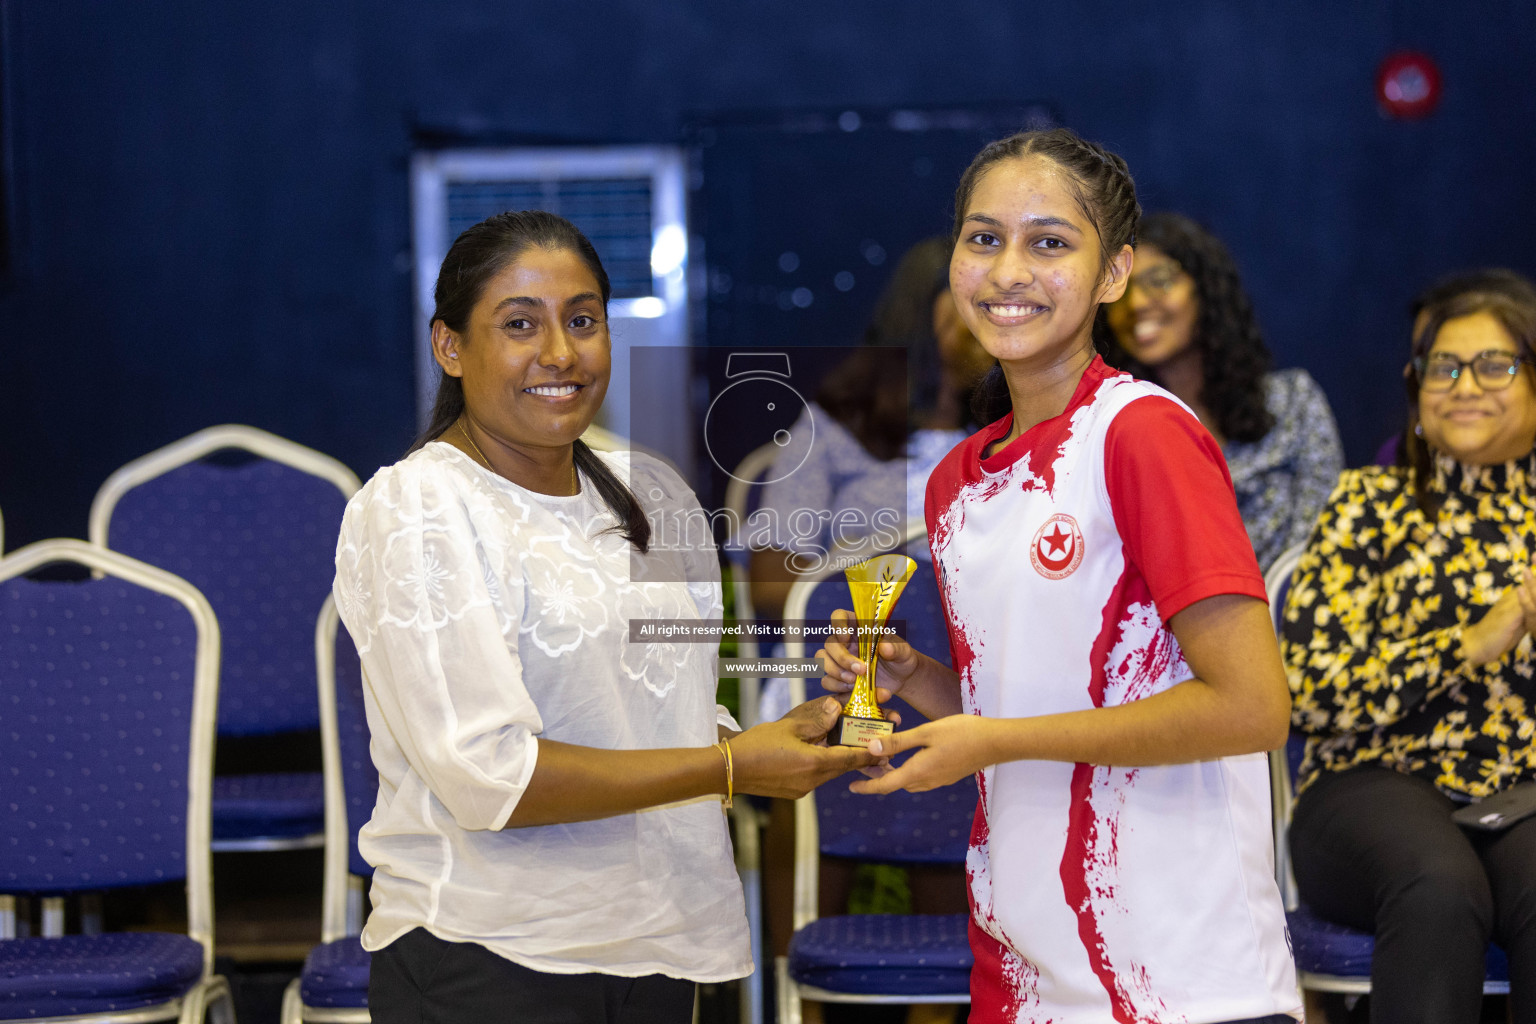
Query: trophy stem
875,585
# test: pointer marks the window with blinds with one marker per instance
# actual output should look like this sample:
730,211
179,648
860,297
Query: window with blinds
615,213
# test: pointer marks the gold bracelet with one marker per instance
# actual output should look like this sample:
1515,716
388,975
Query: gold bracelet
724,746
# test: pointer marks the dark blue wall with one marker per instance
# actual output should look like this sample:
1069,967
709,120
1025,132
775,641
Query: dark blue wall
211,208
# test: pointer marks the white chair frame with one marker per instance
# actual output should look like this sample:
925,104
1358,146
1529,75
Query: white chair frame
204,442
808,827
211,993
190,449
736,494
1275,580
341,907
747,823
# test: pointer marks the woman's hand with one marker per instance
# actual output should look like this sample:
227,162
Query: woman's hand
1504,625
789,758
948,750
896,664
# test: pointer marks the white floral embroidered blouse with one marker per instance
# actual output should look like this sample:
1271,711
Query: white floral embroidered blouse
488,617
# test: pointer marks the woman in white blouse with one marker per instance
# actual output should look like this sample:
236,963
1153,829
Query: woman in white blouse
547,841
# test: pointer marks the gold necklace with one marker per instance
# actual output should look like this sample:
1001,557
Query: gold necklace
485,461
575,485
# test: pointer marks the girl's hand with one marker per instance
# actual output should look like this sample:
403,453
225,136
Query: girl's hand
948,749
897,661
1505,624
790,757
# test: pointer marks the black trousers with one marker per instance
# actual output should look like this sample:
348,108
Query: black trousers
1376,850
420,979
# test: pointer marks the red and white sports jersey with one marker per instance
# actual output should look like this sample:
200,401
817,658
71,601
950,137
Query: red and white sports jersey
1101,893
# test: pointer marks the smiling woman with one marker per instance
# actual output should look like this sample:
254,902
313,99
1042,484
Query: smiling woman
1407,639
1116,672
1186,324
547,843
533,362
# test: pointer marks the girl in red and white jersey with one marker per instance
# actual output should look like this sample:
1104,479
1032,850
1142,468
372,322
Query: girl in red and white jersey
1116,677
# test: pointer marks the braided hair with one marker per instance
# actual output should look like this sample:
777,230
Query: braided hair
476,256
1234,360
1101,184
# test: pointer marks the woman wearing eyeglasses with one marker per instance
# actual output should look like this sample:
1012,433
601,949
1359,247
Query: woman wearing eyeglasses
1407,642
1186,324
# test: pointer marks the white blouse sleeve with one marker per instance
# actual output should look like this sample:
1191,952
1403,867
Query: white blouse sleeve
437,633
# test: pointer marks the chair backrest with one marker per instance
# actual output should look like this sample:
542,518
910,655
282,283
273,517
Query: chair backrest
1277,581
1284,762
258,537
108,689
928,828
744,495
351,780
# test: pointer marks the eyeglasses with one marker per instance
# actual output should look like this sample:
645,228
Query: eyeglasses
1158,281
1493,370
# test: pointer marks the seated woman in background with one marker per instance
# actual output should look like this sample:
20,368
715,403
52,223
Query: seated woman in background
1406,639
1186,324
1490,280
874,443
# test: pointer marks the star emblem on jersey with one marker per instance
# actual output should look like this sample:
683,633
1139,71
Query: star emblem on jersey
1057,549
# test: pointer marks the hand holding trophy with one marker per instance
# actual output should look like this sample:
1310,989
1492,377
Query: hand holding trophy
876,583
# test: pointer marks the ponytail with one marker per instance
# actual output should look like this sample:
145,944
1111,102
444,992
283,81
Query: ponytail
620,499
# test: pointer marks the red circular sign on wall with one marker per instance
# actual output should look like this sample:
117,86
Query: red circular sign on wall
1408,85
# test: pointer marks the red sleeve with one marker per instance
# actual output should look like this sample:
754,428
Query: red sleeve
1174,506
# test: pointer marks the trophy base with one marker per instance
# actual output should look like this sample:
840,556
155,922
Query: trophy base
857,732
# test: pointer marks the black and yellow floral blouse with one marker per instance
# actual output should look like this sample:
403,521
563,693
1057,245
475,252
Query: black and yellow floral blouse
1372,629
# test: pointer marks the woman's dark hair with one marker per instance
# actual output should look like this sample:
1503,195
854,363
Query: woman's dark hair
1514,311
476,256
868,391
1102,186
1233,358
1492,280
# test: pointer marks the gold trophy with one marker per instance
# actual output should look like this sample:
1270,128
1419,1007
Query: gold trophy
876,584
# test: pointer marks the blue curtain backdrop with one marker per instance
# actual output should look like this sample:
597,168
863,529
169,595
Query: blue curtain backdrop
209,215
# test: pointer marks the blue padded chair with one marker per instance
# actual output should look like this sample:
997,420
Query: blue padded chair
1329,957
334,984
258,538
876,958
108,689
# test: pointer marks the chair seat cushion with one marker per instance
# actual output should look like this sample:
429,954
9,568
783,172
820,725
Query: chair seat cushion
1322,947
279,804
336,974
95,973
884,954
